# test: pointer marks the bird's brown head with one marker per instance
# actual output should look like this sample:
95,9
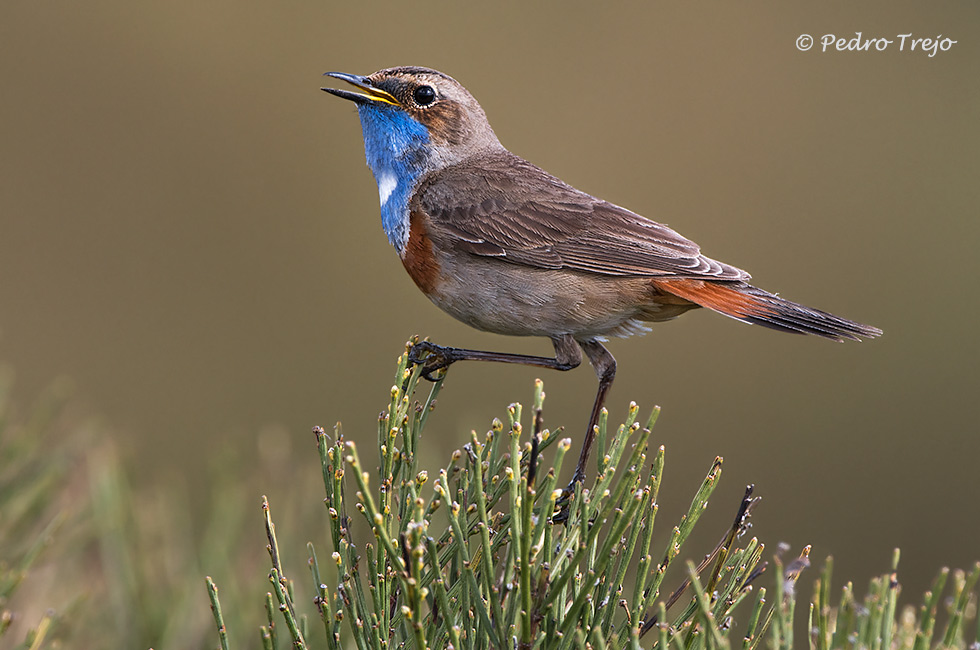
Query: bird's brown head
453,120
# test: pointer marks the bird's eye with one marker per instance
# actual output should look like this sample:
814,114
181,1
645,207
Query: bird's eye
424,95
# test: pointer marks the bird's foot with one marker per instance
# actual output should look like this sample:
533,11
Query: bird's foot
432,358
564,503
561,516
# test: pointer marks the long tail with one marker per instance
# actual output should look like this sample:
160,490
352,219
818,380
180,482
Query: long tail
750,304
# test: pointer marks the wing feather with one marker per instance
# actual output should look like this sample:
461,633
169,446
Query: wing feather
515,211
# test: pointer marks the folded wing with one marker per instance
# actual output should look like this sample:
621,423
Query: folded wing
490,215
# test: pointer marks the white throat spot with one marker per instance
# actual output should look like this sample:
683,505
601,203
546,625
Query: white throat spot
387,183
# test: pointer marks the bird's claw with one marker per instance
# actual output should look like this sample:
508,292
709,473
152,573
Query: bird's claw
432,358
564,502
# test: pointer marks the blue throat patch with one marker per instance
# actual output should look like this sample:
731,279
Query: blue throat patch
395,146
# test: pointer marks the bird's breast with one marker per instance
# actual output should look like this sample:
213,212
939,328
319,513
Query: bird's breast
418,256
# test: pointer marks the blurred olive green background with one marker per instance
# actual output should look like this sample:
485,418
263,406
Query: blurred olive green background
188,231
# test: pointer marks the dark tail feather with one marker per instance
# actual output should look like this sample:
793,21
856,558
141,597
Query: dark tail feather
750,304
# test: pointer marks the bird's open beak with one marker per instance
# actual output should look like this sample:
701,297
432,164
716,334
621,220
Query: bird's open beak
368,92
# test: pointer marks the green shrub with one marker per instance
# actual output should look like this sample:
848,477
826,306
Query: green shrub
489,552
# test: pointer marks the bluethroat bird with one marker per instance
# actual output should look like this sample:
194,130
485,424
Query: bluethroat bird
506,247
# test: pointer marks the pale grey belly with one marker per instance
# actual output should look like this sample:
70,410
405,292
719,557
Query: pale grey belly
504,298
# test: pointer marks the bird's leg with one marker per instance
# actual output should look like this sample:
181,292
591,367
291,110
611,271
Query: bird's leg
567,356
605,368
435,357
